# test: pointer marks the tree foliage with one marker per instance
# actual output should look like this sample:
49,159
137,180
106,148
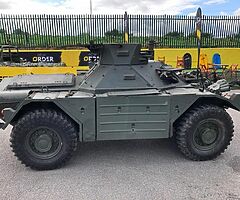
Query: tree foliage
113,33
2,31
204,35
19,31
174,34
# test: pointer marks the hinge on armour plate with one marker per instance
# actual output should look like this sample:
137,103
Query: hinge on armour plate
45,89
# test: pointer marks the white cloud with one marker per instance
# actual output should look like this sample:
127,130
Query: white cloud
223,13
210,2
4,4
192,14
99,6
237,12
38,7
145,6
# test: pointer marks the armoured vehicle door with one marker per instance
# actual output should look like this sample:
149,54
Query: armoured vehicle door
132,116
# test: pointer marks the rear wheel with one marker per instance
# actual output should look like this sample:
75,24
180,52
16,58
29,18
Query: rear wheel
44,139
204,132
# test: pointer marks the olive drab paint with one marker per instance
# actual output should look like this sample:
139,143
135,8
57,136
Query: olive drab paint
124,96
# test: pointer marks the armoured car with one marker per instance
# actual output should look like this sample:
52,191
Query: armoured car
124,96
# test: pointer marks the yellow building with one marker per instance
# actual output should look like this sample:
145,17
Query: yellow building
228,55
76,61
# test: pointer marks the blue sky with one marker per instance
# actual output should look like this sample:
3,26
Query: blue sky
224,7
173,7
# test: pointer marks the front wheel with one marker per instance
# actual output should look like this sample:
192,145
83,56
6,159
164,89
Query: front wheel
204,132
44,139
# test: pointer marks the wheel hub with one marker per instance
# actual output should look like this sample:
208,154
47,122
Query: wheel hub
43,143
208,136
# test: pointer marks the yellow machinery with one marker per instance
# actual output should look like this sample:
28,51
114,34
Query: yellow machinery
14,62
75,61
13,71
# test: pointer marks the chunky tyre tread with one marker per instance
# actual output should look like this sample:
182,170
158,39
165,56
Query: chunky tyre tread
27,121
188,121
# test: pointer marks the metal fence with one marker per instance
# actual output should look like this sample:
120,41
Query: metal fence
57,31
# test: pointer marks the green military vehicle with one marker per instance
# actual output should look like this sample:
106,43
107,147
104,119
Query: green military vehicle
124,96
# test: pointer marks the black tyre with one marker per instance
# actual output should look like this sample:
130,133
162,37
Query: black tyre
204,132
44,139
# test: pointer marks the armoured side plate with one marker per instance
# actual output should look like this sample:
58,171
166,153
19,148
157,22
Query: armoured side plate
81,108
132,117
52,80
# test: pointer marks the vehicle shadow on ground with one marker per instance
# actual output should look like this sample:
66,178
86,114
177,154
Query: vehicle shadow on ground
129,152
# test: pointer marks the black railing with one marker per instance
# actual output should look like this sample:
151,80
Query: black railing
58,31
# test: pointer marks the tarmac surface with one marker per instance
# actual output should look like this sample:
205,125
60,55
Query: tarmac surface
145,170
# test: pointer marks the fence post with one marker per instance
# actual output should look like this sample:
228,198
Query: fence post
126,28
62,30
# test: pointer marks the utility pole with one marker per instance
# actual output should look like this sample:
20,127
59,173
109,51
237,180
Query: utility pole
90,22
199,33
126,28
91,9
199,38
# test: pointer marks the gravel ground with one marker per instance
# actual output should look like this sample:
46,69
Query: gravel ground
125,170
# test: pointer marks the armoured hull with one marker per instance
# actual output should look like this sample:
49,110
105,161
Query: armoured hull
124,96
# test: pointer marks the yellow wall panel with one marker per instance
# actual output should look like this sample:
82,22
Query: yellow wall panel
13,71
228,55
71,59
